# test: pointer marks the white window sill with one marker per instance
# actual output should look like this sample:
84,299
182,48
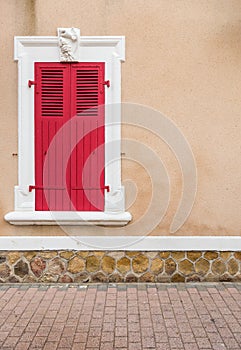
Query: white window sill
68,218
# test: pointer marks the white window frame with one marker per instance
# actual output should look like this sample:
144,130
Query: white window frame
27,50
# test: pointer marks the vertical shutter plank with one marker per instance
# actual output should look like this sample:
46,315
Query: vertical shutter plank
59,167
87,94
45,145
73,164
87,182
79,165
67,171
51,106
52,174
93,165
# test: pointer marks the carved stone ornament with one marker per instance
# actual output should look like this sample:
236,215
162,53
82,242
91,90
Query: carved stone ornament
69,44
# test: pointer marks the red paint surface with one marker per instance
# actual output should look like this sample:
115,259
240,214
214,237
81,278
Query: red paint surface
62,92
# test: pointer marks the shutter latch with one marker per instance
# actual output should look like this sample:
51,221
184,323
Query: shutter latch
107,188
31,82
107,83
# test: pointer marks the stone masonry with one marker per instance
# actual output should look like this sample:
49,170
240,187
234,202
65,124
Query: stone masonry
119,266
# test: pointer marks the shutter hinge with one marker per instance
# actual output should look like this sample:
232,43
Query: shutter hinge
31,82
107,83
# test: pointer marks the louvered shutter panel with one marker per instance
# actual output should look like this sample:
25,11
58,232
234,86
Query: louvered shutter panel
52,106
87,95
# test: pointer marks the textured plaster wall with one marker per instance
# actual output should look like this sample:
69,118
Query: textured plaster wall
183,58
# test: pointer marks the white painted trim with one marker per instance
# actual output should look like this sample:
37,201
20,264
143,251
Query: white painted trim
68,218
112,243
116,42
30,49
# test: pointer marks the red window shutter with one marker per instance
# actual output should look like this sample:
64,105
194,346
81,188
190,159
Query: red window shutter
52,103
62,92
87,94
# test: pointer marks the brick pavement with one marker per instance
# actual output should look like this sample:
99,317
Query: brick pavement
133,317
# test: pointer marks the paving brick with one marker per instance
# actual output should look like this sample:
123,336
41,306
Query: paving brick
50,346
237,336
39,342
107,337
3,336
10,342
108,327
175,343
148,342
134,346
219,346
120,331
120,342
161,337
134,327
24,346
93,342
121,322
78,346
43,331
191,346
106,346
27,336
203,343
65,343
199,332
134,337
188,338
54,336
173,332
16,331
214,337
231,343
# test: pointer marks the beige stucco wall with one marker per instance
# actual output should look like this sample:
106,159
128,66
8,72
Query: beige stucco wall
183,58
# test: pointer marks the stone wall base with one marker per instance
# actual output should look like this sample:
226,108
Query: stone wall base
119,266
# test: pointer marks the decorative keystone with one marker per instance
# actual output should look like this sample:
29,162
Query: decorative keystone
69,44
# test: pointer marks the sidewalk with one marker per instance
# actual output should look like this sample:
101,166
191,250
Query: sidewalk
133,316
